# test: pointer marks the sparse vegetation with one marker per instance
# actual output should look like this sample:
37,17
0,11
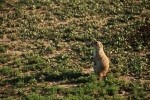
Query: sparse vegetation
45,49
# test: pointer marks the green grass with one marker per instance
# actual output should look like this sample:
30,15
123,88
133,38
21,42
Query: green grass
46,45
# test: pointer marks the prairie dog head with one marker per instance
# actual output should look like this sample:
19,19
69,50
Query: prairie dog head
98,45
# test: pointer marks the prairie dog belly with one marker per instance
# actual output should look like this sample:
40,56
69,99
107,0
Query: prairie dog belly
94,53
97,67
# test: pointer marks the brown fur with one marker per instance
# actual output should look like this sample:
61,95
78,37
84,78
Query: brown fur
101,61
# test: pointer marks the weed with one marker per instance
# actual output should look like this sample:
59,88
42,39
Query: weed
3,48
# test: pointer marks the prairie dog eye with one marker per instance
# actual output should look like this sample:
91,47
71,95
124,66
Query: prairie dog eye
99,43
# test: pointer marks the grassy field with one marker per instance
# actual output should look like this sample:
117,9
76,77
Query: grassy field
45,49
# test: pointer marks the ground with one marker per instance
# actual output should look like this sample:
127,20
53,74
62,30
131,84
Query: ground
46,49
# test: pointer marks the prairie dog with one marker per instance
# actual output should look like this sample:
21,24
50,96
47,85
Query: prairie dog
101,61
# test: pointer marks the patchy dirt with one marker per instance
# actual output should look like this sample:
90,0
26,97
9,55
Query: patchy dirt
129,79
18,53
87,70
67,85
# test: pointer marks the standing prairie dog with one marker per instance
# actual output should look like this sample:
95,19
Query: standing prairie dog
101,61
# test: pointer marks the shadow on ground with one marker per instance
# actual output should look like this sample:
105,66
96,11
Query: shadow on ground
75,77
72,77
